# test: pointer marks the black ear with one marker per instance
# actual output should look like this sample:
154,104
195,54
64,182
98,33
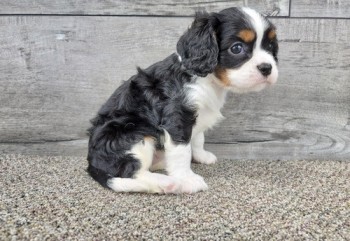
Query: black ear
198,47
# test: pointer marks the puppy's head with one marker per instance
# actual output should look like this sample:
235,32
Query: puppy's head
238,45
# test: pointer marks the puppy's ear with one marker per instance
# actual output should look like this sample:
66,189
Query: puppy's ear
198,46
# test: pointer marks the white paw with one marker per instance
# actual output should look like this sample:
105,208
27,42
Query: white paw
192,183
205,157
170,187
164,184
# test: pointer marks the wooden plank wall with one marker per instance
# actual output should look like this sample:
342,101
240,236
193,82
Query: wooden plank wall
60,60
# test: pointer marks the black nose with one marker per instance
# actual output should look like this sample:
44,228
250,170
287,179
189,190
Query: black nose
265,69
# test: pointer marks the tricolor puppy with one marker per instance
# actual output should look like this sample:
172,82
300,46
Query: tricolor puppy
157,118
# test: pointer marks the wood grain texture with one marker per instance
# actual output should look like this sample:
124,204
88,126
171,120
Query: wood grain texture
137,7
59,148
320,8
55,72
313,30
233,151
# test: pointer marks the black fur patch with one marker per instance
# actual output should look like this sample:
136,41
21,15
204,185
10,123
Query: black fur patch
149,102
270,45
198,47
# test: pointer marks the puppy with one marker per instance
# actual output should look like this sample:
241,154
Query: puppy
157,118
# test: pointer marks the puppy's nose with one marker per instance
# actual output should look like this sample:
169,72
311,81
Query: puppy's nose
265,69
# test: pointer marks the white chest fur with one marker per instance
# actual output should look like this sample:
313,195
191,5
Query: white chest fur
208,97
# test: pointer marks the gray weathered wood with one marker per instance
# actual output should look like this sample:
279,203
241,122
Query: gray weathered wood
320,8
60,148
313,30
137,7
234,151
55,72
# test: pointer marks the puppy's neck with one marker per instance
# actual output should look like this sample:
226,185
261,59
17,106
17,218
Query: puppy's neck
208,96
207,92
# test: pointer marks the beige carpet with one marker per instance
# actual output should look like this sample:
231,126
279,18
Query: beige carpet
54,198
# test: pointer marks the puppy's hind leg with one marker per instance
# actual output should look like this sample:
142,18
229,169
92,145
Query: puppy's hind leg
178,165
144,180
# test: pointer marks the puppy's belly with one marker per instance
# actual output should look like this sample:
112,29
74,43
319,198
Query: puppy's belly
158,162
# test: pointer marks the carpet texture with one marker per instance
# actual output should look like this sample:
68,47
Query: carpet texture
53,198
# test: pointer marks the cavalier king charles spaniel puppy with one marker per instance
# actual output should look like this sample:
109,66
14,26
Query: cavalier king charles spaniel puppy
157,118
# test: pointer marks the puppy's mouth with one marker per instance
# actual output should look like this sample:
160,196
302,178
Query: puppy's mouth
261,83
265,80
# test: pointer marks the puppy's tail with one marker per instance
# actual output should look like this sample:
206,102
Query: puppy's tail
99,175
124,167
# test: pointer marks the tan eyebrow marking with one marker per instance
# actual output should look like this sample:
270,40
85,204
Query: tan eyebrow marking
247,35
272,34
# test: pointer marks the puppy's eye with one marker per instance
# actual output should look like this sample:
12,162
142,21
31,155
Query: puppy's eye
237,48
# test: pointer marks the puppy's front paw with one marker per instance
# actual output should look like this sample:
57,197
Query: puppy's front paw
203,156
193,183
171,188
